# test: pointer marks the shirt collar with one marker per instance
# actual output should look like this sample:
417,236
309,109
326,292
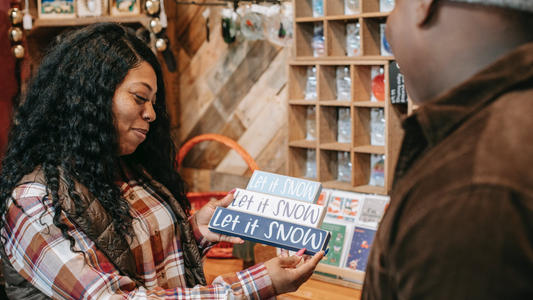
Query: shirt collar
440,117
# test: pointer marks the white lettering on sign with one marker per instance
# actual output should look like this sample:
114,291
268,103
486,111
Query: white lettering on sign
282,209
295,234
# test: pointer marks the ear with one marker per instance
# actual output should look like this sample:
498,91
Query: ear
424,11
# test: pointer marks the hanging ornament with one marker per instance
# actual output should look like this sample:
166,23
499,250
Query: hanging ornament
228,25
161,45
15,16
252,26
15,34
152,7
156,26
18,51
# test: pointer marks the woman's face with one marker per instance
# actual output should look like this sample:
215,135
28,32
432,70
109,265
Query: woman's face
133,107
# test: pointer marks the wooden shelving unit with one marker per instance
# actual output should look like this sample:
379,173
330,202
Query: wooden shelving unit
326,146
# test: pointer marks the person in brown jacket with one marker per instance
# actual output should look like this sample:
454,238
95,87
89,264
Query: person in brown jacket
460,220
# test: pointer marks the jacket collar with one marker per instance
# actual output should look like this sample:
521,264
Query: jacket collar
439,117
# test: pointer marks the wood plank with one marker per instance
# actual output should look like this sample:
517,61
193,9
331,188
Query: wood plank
207,124
303,144
370,149
209,71
203,180
273,158
335,103
369,104
246,75
318,290
214,152
258,135
336,146
270,84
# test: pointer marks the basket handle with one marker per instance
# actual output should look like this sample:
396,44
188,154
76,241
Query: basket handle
217,138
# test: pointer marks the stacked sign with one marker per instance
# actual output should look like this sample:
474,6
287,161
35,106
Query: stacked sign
275,210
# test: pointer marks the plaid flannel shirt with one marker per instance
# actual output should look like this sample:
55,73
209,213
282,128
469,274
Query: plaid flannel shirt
39,252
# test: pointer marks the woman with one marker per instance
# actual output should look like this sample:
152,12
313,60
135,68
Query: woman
91,205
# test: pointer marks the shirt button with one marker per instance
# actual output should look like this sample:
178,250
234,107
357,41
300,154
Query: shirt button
163,275
132,197
157,233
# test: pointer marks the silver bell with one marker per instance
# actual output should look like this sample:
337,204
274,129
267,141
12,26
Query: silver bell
161,45
15,16
18,51
15,34
156,26
152,7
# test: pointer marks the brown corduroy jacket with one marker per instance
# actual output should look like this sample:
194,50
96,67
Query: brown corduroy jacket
460,221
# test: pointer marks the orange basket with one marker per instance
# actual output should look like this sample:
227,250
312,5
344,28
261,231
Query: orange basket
199,199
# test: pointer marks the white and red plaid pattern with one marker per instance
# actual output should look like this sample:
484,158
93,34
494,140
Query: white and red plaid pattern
39,252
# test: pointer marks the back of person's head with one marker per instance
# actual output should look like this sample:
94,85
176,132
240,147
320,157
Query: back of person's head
441,43
65,122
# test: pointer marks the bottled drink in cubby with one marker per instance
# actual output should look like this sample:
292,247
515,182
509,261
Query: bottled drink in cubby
353,39
344,167
318,8
311,123
310,164
318,41
344,83
351,7
310,87
344,125
377,170
377,127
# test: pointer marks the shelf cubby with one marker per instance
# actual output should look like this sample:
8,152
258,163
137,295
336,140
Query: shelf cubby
297,82
334,7
305,8
304,32
297,162
371,36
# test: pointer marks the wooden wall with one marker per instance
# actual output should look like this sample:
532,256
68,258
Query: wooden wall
237,90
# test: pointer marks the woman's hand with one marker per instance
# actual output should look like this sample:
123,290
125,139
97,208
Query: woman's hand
285,277
203,216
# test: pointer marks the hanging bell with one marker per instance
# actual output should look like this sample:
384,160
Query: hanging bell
18,51
15,34
152,6
161,45
156,26
15,15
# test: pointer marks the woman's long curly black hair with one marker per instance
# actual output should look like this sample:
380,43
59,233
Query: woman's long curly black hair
65,123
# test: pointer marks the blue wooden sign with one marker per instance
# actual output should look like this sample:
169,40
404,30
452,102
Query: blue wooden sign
268,231
284,186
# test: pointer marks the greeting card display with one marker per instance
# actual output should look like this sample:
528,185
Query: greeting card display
89,8
344,205
360,248
372,211
125,7
335,245
56,9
